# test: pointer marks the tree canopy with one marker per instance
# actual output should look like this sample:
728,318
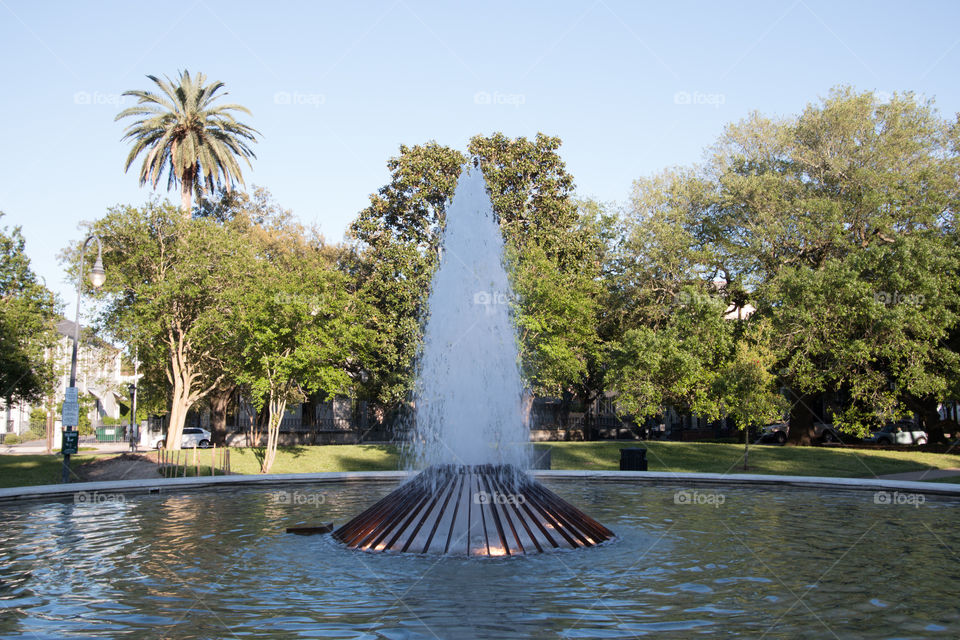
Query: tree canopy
551,256
183,133
28,313
838,226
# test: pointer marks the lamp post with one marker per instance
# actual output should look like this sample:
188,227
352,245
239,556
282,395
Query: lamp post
134,425
97,278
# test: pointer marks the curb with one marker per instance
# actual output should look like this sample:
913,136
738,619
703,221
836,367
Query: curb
761,480
178,485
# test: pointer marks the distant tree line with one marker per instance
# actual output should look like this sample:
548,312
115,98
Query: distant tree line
835,227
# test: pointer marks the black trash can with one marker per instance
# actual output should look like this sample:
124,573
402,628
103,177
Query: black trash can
634,459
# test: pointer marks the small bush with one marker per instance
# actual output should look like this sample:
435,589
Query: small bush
38,419
11,438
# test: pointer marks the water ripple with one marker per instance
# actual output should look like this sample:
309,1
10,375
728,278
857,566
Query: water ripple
217,564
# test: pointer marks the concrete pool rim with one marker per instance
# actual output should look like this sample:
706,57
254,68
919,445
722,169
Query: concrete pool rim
173,486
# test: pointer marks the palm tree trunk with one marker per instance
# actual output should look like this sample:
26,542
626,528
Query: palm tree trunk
186,193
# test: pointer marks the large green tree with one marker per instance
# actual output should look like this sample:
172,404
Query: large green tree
272,234
182,132
843,219
838,225
551,256
27,324
395,250
168,294
301,330
673,340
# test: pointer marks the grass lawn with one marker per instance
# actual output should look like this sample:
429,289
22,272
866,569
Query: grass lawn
19,471
951,480
662,456
728,458
342,457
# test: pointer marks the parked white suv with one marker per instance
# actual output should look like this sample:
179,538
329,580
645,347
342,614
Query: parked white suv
192,437
902,432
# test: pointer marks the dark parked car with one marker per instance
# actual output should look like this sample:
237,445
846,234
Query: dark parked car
777,433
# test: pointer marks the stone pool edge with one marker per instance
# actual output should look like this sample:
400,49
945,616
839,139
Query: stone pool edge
177,485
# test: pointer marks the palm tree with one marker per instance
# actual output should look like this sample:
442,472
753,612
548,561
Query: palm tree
182,132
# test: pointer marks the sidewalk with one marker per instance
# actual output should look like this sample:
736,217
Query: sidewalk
39,447
920,476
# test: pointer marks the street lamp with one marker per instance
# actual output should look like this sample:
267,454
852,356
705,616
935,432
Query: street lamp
134,425
97,277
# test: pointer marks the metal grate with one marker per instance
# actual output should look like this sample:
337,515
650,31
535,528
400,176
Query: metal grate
483,510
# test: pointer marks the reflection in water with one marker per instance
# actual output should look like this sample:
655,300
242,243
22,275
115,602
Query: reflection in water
217,564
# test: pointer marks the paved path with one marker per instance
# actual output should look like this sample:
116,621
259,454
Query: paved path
39,447
919,476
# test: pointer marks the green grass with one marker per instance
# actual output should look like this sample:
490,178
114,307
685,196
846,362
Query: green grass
344,457
662,456
705,457
951,480
21,471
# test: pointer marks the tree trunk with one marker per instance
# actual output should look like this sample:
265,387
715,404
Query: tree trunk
801,421
186,193
929,417
526,408
180,403
277,408
746,446
565,399
220,399
51,407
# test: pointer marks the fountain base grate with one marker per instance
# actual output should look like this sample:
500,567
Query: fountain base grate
479,510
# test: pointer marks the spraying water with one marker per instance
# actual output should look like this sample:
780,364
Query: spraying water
469,389
473,497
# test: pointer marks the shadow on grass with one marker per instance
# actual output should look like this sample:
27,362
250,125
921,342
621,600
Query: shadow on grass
260,453
388,460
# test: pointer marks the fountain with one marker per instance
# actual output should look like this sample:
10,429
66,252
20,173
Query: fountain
696,554
474,497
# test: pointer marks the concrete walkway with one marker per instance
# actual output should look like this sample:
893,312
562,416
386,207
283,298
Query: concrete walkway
920,476
39,447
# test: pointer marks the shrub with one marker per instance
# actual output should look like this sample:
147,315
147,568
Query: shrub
11,438
38,419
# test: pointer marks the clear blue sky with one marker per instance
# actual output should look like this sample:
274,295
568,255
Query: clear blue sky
336,87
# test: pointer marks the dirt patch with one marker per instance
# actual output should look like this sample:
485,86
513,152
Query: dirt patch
126,466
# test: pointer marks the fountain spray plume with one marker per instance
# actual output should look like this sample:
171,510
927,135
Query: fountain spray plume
468,394
470,434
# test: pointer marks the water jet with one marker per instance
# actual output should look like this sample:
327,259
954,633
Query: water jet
474,496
